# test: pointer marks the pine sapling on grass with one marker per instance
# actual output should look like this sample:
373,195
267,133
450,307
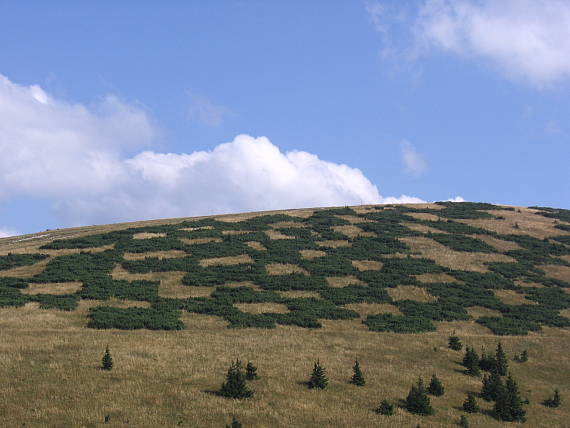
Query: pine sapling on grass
508,403
471,362
491,385
436,387
235,386
502,365
385,408
357,377
107,361
235,423
318,377
418,401
463,422
470,404
487,361
455,343
251,371
553,401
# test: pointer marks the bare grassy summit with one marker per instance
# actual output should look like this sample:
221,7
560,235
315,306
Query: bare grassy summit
178,300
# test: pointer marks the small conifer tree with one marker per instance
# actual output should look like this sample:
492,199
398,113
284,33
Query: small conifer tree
318,377
491,385
508,403
385,408
235,386
487,361
418,401
470,404
107,361
251,371
471,362
357,377
463,422
502,365
553,401
455,343
235,423
522,357
436,387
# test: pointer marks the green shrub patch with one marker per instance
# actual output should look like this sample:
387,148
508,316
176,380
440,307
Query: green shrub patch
104,317
355,294
10,261
462,243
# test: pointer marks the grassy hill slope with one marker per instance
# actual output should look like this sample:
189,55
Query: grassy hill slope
177,300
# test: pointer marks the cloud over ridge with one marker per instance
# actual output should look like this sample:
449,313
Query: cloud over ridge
81,159
527,40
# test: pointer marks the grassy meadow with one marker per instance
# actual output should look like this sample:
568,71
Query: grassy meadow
50,359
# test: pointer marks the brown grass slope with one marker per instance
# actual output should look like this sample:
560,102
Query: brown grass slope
49,359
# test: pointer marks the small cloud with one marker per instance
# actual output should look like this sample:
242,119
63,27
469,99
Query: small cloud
5,232
205,111
456,199
553,127
413,162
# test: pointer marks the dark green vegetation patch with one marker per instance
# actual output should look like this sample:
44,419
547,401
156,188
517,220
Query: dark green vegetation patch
384,226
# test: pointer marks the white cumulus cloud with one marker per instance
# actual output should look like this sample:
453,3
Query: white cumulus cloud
95,165
527,40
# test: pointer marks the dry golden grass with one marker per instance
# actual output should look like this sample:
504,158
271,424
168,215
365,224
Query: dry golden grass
365,309
460,260
511,297
262,308
196,241
352,231
529,284
312,254
343,281
287,225
334,244
53,288
566,258
235,232
300,294
236,284
498,244
410,292
528,223
148,235
229,260
354,219
192,229
284,269
364,209
436,277
424,216
556,271
170,254
426,205
479,311
256,245
363,265
275,234
172,372
416,227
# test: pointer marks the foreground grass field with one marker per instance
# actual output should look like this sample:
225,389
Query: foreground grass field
49,359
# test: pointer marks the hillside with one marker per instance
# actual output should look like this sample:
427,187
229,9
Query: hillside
177,300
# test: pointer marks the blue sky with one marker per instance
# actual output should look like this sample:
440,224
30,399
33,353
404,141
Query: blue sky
116,111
